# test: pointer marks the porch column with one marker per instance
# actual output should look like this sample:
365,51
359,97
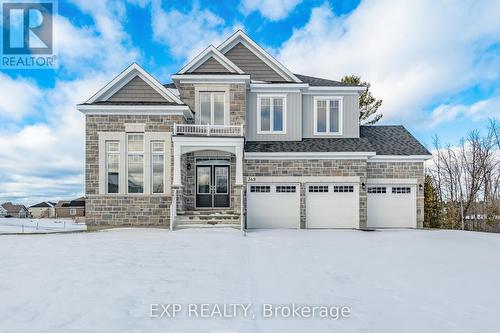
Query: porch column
177,165
238,151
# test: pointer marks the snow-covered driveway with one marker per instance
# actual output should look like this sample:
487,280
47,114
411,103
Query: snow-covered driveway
393,281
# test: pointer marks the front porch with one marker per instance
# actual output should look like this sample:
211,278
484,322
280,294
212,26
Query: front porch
207,182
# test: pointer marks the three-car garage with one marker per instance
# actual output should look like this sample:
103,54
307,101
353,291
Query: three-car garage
329,205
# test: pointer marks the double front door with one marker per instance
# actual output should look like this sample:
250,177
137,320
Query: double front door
212,186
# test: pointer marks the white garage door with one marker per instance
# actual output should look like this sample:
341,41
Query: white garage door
273,206
391,206
332,206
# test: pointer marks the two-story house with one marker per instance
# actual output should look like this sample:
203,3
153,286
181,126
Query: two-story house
237,138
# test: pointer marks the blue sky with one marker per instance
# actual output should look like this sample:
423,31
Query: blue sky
436,65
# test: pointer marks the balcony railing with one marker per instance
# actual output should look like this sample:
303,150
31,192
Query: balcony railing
208,130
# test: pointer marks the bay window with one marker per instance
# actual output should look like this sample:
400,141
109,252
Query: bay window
135,165
211,108
112,166
271,114
158,166
327,115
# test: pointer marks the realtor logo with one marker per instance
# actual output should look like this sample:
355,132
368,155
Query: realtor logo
27,34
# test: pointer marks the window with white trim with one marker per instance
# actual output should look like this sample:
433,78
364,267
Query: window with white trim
327,116
112,166
271,114
157,166
211,108
72,211
135,163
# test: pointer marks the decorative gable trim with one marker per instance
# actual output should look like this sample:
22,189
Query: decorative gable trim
125,77
210,52
240,37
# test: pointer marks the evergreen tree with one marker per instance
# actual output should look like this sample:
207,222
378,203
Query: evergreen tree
432,209
368,105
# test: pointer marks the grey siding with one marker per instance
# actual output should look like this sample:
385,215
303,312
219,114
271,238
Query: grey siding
211,66
293,120
350,117
137,90
248,62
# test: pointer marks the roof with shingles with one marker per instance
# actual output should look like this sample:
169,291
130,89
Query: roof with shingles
319,82
45,204
384,140
13,208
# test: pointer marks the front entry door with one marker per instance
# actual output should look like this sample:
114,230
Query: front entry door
212,186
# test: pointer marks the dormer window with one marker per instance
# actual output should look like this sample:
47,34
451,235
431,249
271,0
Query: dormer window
327,115
271,114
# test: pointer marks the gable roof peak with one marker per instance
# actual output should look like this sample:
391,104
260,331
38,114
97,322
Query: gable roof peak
210,52
125,77
239,36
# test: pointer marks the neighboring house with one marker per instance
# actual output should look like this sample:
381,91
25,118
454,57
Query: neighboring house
70,209
236,122
44,209
13,210
3,211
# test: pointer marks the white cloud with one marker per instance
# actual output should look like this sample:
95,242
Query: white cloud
19,97
187,34
274,10
483,109
45,159
412,52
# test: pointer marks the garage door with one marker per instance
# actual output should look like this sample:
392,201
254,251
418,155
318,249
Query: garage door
332,206
273,206
391,206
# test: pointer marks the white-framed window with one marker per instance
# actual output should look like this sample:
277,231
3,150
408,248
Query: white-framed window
112,166
328,115
72,211
271,114
157,166
135,163
212,108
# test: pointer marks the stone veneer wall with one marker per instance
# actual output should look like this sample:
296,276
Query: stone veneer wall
128,210
121,209
401,170
302,168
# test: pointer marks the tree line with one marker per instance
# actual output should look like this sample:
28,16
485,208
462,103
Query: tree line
462,183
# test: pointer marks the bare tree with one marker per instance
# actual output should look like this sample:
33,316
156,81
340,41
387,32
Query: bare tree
467,179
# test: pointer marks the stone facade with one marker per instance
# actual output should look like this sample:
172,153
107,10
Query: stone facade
237,106
124,209
128,210
400,170
306,168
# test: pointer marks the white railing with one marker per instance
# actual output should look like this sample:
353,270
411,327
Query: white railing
242,213
173,210
208,130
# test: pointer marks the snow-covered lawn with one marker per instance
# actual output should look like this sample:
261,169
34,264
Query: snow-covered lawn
19,226
393,281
